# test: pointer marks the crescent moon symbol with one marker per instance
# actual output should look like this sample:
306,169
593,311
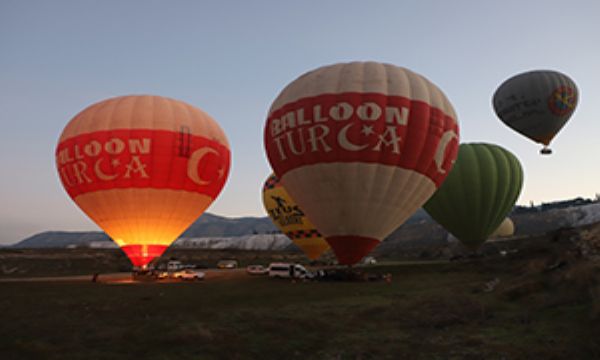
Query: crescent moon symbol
192,169
101,175
447,137
345,143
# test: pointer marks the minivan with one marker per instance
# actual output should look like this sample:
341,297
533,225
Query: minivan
287,270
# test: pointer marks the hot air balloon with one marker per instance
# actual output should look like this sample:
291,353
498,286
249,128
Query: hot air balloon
360,146
291,220
480,191
536,104
505,229
143,168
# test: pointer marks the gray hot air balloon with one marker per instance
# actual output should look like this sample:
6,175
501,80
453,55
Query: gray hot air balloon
536,104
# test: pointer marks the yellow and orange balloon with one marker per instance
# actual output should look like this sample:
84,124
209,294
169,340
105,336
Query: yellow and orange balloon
291,220
143,168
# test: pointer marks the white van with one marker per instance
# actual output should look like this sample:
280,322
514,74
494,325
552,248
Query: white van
287,270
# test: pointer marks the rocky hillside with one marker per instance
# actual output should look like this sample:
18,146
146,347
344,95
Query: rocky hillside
62,239
209,225
419,235
244,242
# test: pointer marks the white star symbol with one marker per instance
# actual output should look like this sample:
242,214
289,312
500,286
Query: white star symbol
367,130
136,167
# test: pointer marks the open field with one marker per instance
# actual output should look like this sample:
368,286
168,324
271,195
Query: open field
481,309
15,263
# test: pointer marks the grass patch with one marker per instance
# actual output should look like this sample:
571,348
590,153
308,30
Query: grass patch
429,311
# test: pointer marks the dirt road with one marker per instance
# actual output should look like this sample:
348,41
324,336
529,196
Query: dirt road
126,278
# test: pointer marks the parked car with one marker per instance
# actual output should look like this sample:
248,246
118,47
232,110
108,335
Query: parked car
369,260
189,274
287,270
257,270
227,264
161,275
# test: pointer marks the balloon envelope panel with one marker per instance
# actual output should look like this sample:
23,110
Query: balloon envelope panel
143,168
480,191
291,220
537,104
506,228
360,146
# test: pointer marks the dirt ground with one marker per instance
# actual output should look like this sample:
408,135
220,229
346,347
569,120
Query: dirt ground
539,305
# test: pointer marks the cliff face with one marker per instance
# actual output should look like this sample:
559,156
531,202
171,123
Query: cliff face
542,221
246,242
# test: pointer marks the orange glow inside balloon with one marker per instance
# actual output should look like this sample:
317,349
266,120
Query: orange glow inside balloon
143,168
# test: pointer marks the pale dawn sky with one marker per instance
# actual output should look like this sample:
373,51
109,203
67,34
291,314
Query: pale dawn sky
231,59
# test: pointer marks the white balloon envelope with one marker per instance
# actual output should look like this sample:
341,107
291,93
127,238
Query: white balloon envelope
360,146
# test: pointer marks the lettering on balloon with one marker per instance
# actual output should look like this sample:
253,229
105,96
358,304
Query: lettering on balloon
103,160
141,159
285,214
513,108
367,127
295,134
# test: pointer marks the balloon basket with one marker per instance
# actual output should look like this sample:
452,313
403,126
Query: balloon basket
143,275
546,151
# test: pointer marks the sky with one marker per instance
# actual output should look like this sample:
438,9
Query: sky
232,58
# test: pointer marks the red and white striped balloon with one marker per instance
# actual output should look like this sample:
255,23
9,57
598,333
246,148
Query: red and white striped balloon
360,146
143,168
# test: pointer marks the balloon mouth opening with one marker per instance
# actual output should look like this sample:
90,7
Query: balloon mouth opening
142,255
473,245
351,249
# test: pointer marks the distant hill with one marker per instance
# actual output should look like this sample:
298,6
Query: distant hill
257,233
260,242
61,239
209,225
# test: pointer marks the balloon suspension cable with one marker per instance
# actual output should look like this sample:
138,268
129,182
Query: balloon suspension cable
546,151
